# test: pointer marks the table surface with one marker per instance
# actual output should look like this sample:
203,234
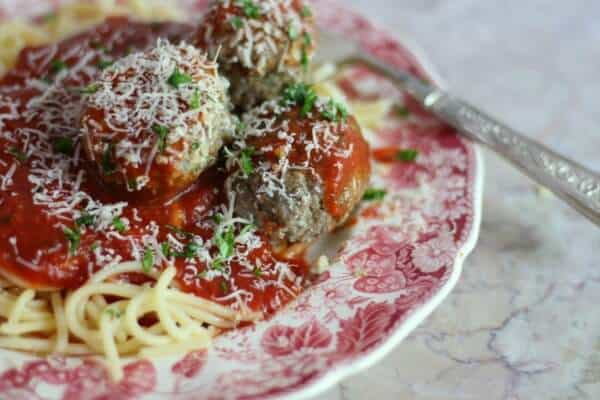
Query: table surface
523,322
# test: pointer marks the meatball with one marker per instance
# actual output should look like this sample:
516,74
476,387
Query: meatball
299,167
155,120
261,45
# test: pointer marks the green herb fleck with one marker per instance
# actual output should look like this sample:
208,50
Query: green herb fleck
217,218
247,229
224,286
250,9
73,235
162,133
307,39
236,22
304,60
195,146
302,95
96,45
225,241
85,219
407,155
148,260
63,145
189,251
306,12
335,111
91,89
373,194
257,271
113,313
179,230
195,101
118,224
292,31
179,78
165,249
246,161
18,154
402,111
108,166
58,65
103,64
51,16
95,246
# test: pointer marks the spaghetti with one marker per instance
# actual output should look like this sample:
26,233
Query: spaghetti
84,271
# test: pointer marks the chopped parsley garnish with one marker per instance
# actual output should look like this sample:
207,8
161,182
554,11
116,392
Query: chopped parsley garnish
18,154
63,145
113,313
118,224
58,65
373,194
147,260
179,78
108,166
250,9
162,133
96,45
103,64
335,111
189,251
179,230
407,155
307,39
236,22
91,89
246,161
240,128
95,246
247,229
304,58
292,31
51,16
217,263
73,235
402,111
165,248
302,95
85,220
195,100
224,286
217,218
257,271
306,12
225,241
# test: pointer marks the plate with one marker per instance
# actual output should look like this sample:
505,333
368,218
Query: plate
400,260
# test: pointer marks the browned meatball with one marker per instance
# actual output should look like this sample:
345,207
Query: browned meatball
155,120
262,45
301,166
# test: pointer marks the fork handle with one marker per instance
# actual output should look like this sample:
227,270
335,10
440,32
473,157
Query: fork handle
575,184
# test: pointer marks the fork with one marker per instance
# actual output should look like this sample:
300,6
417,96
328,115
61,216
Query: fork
567,179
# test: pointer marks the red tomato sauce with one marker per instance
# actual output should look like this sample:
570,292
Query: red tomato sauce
33,247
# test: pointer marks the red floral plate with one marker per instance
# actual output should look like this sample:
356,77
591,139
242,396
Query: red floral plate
401,258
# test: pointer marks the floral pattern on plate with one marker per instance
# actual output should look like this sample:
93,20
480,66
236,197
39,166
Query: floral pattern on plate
401,259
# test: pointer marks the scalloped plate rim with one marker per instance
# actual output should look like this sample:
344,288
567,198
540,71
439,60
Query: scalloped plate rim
358,365
347,368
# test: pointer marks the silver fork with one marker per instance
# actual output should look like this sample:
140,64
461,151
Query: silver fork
572,182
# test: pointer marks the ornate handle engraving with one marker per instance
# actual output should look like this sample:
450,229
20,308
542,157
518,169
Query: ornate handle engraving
572,182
